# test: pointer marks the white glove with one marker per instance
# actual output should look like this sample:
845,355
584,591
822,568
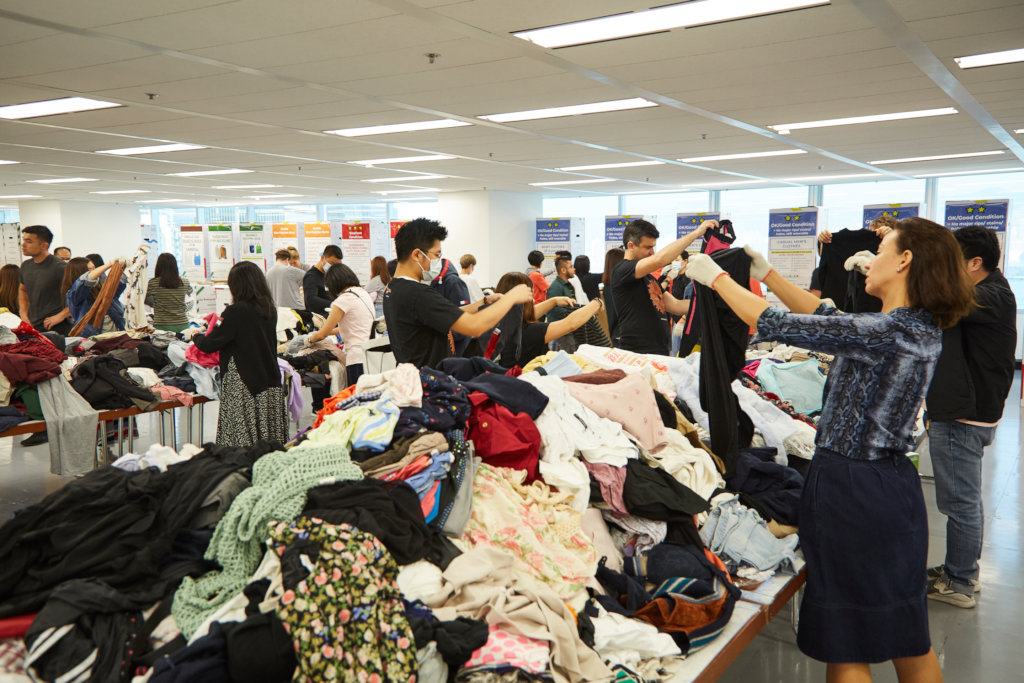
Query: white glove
672,270
859,261
759,266
298,344
704,270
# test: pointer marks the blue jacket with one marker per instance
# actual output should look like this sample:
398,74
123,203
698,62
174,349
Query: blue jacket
80,300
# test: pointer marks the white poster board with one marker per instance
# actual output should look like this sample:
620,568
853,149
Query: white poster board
192,260
355,244
284,235
220,240
792,243
316,236
250,239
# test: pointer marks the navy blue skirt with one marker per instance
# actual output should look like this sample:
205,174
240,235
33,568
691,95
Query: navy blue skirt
864,533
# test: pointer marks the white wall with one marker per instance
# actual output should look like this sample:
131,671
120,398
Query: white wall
108,229
496,227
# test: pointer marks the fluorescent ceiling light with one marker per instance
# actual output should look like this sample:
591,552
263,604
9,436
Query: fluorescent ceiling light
121,192
243,187
222,171
749,155
398,128
152,149
64,105
732,184
273,196
47,181
990,58
416,191
417,199
575,182
402,160
5,161
1019,131
681,189
819,178
406,178
20,196
571,110
938,175
160,201
937,157
658,19
594,167
785,128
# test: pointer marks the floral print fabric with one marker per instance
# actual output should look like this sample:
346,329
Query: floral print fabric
346,616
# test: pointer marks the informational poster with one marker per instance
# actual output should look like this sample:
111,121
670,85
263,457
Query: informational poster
873,212
395,225
317,236
993,214
222,251
355,243
284,235
552,235
380,239
11,235
250,238
792,240
192,262
688,222
613,227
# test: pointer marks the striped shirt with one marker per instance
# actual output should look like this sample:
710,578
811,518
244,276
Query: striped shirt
168,304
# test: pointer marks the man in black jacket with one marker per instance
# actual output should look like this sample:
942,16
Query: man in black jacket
313,291
965,402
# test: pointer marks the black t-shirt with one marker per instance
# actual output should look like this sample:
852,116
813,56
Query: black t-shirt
533,343
640,311
42,283
419,321
832,271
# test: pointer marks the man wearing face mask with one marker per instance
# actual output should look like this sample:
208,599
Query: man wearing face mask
420,319
313,290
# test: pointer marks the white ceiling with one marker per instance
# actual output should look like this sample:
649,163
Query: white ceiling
258,81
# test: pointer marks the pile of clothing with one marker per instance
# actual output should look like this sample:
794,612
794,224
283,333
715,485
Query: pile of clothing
563,522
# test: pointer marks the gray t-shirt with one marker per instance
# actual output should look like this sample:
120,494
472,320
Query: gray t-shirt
285,286
42,282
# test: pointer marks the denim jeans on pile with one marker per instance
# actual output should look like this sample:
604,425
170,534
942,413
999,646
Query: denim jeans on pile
956,450
740,536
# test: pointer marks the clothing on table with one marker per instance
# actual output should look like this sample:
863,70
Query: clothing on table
104,382
402,384
201,358
314,294
740,535
137,273
244,418
475,293
835,280
801,384
611,480
561,365
445,406
628,401
170,305
641,325
652,493
504,649
692,611
419,322
71,427
39,347
296,401
285,282
172,393
42,284
365,425
11,417
532,343
21,368
513,393
772,489
466,369
248,338
357,323
376,287
341,604
503,438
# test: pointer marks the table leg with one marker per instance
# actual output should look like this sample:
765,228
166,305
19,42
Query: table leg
188,416
131,434
120,437
163,428
202,422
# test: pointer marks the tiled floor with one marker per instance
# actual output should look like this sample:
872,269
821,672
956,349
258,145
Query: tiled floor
982,644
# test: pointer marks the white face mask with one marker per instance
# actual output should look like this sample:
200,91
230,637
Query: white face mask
434,271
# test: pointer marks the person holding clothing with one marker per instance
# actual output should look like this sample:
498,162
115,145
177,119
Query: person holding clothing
313,290
965,403
379,279
420,319
166,294
640,304
590,281
81,284
40,301
562,289
10,286
253,404
862,518
351,316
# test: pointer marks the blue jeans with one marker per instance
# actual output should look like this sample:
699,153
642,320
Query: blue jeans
956,450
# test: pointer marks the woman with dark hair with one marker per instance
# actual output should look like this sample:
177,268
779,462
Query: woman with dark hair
862,518
95,259
351,317
10,287
166,295
611,259
590,281
379,279
536,335
82,282
252,400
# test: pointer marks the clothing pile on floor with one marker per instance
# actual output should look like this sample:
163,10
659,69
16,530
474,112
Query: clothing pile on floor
562,522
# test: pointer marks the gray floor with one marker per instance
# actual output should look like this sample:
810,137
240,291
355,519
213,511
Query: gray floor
982,644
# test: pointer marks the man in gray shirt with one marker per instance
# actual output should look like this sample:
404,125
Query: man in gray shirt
285,282
41,302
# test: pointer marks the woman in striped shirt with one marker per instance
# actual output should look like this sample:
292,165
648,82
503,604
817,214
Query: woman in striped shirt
166,295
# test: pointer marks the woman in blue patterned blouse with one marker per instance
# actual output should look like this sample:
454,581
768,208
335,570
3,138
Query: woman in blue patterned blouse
863,524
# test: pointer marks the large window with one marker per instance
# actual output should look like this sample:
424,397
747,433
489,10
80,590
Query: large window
845,201
406,211
9,215
748,211
592,210
355,212
291,213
